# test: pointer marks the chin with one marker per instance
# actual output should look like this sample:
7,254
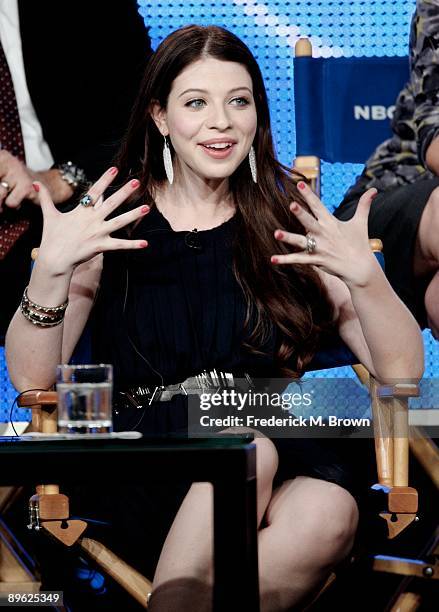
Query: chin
217,174
223,170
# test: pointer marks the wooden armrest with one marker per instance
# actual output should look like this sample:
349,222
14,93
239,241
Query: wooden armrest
44,409
400,390
29,399
376,245
309,167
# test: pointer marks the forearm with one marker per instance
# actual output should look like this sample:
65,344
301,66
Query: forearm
391,333
33,352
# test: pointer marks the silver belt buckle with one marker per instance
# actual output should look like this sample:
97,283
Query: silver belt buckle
156,394
206,382
213,380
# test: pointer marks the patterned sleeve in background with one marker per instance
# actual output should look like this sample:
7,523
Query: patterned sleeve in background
401,159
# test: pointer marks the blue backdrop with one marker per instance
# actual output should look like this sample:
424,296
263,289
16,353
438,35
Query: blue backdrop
270,28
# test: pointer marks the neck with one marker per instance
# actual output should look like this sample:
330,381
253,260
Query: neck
194,201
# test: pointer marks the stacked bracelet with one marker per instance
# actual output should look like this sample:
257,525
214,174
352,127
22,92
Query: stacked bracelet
73,175
42,316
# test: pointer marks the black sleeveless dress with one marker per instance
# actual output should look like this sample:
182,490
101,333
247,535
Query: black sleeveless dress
168,312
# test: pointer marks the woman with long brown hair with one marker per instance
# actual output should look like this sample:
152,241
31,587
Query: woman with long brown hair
229,265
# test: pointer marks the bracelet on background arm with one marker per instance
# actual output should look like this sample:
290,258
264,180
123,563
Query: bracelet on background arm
73,175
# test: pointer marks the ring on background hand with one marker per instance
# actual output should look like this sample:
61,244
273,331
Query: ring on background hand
6,186
311,244
86,200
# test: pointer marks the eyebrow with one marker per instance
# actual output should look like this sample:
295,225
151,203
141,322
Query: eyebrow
205,91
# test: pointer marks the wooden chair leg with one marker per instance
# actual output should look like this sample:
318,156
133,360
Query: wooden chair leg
426,452
49,510
407,602
331,578
391,432
16,573
383,434
127,577
8,496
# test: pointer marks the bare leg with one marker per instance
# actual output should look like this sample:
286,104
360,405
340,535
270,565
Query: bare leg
426,258
431,301
311,528
184,575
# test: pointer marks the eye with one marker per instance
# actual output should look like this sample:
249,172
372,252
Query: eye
197,103
241,101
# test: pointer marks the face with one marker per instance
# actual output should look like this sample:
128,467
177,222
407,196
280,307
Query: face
210,117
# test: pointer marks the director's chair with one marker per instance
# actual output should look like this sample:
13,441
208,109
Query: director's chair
398,511
52,508
343,109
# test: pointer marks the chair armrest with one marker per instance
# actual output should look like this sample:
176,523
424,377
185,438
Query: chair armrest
44,405
42,398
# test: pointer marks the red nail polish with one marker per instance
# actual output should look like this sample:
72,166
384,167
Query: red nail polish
113,171
293,206
274,260
144,209
301,185
36,187
143,244
134,183
279,234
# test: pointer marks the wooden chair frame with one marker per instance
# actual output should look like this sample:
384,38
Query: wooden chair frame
49,509
392,451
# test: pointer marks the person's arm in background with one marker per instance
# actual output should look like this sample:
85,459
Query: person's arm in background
424,71
83,104
111,46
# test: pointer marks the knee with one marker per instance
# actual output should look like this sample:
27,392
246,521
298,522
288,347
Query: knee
267,462
428,227
430,216
332,525
267,459
433,200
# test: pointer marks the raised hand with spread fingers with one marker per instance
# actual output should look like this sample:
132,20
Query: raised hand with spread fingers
356,284
336,247
79,235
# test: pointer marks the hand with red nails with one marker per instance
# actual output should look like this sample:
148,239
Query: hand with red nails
19,179
72,238
341,248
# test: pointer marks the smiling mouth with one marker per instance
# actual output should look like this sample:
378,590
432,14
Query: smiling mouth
219,146
218,150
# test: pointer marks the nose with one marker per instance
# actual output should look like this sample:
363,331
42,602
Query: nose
219,118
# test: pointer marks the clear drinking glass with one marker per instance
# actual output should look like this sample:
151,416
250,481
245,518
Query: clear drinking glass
84,398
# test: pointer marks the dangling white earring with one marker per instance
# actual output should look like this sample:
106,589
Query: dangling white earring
252,162
167,160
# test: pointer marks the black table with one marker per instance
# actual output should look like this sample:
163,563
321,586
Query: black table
228,463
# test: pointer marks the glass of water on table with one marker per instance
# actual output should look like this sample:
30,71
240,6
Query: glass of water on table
84,398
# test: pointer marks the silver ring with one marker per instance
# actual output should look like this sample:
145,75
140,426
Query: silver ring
6,186
86,200
311,244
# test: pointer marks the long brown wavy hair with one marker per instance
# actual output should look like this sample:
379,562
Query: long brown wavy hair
292,298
